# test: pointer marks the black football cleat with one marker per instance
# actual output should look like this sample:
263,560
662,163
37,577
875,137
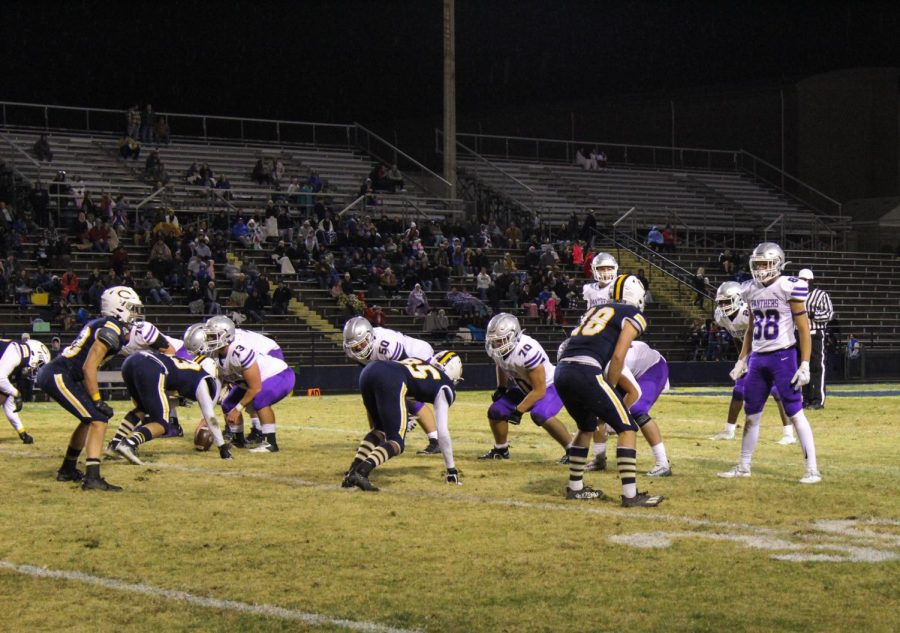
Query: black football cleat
496,453
564,460
255,437
69,475
26,439
99,484
360,481
598,463
642,500
433,448
586,493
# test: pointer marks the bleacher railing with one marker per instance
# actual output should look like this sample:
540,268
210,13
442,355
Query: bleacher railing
792,187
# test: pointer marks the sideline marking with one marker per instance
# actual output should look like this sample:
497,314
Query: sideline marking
885,393
265,610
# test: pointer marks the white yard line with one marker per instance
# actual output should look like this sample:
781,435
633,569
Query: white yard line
262,610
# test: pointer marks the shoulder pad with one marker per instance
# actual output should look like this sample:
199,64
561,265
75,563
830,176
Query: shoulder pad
110,338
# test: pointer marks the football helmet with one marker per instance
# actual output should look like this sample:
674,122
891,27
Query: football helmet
450,363
219,333
766,262
195,339
122,303
605,268
359,339
40,356
503,333
629,289
728,297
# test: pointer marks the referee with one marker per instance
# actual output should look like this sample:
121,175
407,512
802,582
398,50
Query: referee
818,307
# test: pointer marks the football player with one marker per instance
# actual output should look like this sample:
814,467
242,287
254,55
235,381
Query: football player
385,386
19,359
259,343
149,376
605,269
602,340
733,315
364,343
259,381
71,380
769,357
524,384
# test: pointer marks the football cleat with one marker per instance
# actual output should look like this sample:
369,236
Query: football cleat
660,471
26,439
255,436
99,484
642,500
110,452
125,450
787,440
724,435
69,475
265,447
360,481
811,477
585,493
735,472
564,460
496,453
598,463
433,448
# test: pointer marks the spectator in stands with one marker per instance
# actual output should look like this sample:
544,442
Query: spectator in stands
148,129
69,289
584,160
240,232
118,259
655,239
699,282
726,259
129,148
437,324
99,237
40,203
483,282
41,149
375,316
254,307
162,130
133,121
154,170
395,179
155,292
192,175
260,175
589,227
254,234
597,158
195,298
161,259
417,302
77,189
670,240
223,186
314,181
281,299
854,347
211,299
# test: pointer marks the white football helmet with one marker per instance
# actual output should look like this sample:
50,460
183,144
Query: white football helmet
605,268
122,303
766,262
359,339
195,339
503,333
39,357
219,333
728,297
450,363
629,289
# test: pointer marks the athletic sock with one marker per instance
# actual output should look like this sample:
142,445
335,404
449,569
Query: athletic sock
577,460
659,453
788,430
255,423
730,427
377,457
140,436
751,437
502,447
71,459
805,435
269,431
93,468
626,460
125,429
600,449
432,435
368,444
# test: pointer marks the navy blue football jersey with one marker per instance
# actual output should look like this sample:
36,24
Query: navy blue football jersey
423,381
105,329
181,376
597,334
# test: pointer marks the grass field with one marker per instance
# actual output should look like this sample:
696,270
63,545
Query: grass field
272,543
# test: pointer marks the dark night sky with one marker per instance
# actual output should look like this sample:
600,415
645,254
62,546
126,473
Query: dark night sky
381,60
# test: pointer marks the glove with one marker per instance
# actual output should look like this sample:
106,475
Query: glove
104,408
19,403
452,477
225,450
411,423
801,377
740,368
499,392
515,417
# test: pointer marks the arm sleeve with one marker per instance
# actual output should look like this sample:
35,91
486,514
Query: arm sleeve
110,338
441,414
207,404
8,363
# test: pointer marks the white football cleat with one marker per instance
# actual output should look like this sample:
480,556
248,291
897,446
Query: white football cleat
265,447
735,472
126,452
811,477
660,471
787,440
724,435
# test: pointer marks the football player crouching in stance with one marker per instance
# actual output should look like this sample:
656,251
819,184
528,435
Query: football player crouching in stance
259,381
524,384
71,380
19,359
149,377
385,386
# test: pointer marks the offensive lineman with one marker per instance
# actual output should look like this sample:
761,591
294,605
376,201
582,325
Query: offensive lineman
524,384
384,386
18,359
364,343
768,357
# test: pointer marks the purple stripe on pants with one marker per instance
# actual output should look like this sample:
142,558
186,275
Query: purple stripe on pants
544,409
274,389
651,382
767,370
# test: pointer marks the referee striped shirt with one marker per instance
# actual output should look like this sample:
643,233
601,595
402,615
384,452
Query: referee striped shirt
819,309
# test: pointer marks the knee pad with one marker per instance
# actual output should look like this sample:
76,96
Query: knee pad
642,419
538,419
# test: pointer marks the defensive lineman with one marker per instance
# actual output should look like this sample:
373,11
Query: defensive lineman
18,359
524,384
769,358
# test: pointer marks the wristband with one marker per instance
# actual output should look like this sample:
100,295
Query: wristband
95,397
239,407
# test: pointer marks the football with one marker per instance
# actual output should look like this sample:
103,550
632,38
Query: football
203,437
